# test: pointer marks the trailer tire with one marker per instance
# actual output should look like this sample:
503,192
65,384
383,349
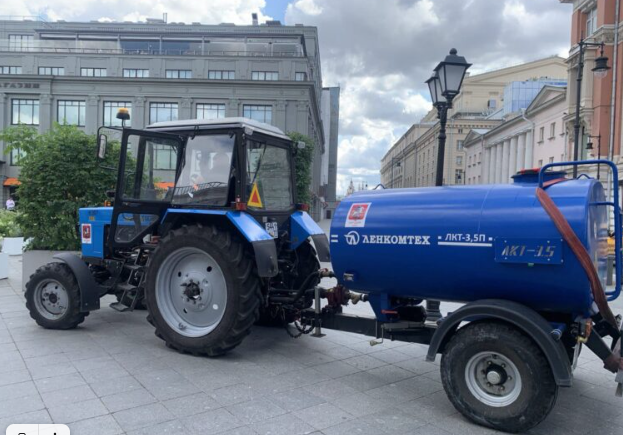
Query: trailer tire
496,376
226,292
307,263
53,297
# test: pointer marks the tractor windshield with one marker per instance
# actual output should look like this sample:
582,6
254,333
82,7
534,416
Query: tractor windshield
205,172
269,177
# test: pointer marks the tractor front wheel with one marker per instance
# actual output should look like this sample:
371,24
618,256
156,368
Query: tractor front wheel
202,291
53,297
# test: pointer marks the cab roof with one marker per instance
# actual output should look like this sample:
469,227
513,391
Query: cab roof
209,124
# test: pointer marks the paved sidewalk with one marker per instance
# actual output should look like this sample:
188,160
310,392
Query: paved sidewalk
113,376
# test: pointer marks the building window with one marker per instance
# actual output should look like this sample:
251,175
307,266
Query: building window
492,104
159,112
135,73
458,176
540,164
93,72
591,21
221,75
71,112
258,113
460,131
551,160
179,74
459,145
110,113
16,155
541,134
51,71
300,77
210,111
459,160
20,42
10,69
264,75
25,112
552,130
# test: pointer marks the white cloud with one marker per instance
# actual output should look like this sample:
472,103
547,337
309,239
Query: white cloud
308,7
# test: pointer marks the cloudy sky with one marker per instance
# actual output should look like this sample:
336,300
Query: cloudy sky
378,51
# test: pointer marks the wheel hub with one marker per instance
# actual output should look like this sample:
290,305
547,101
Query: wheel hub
51,299
191,292
493,379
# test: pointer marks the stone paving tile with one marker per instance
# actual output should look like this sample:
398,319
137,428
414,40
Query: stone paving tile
38,417
21,405
296,399
212,422
104,425
70,413
286,424
128,400
14,377
323,416
68,396
142,416
173,427
255,411
191,405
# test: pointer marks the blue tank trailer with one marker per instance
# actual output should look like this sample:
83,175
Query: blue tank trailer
217,247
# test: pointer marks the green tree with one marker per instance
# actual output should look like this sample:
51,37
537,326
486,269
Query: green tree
303,166
60,174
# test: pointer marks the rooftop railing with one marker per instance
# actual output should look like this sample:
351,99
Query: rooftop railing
43,46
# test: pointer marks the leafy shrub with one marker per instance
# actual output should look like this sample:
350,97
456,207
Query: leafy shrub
8,224
60,174
303,167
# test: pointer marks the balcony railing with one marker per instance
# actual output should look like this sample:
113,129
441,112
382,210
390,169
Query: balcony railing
42,46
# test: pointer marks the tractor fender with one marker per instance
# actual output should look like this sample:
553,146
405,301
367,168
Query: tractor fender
264,247
90,290
525,319
303,226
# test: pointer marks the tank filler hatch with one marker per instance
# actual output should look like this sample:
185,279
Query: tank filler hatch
531,176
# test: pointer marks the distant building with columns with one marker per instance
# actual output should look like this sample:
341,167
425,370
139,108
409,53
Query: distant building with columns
526,139
411,161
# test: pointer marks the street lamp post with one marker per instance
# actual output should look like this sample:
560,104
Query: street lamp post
600,70
444,85
589,146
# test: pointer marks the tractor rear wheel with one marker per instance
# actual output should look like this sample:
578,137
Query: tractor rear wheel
201,290
498,377
53,297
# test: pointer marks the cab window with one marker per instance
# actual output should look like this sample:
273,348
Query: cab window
206,170
269,177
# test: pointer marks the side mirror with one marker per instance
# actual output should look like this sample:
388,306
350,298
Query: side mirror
102,141
300,145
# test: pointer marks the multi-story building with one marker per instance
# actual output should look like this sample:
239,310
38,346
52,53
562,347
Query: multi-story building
478,106
525,139
601,102
394,164
81,73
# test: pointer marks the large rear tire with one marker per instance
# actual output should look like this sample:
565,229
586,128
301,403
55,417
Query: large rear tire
496,376
53,297
202,290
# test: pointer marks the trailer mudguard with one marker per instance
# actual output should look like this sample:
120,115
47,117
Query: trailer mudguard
90,290
521,316
303,226
264,247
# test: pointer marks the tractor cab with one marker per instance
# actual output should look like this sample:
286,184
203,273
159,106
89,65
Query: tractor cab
221,165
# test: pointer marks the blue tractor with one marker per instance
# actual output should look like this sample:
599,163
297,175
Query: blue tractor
204,230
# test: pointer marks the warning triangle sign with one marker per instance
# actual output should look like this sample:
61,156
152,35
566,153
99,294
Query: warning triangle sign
254,198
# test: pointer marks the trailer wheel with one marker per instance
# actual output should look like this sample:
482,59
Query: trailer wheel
497,377
201,291
53,297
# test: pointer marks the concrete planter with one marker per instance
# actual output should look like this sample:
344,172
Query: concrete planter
13,245
4,265
33,260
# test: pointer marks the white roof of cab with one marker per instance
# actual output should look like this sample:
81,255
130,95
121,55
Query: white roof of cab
236,122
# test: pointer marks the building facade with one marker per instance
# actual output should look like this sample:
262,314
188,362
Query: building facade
480,105
81,73
527,139
330,113
601,102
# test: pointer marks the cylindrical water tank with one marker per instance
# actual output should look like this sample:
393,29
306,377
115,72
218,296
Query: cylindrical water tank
464,243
